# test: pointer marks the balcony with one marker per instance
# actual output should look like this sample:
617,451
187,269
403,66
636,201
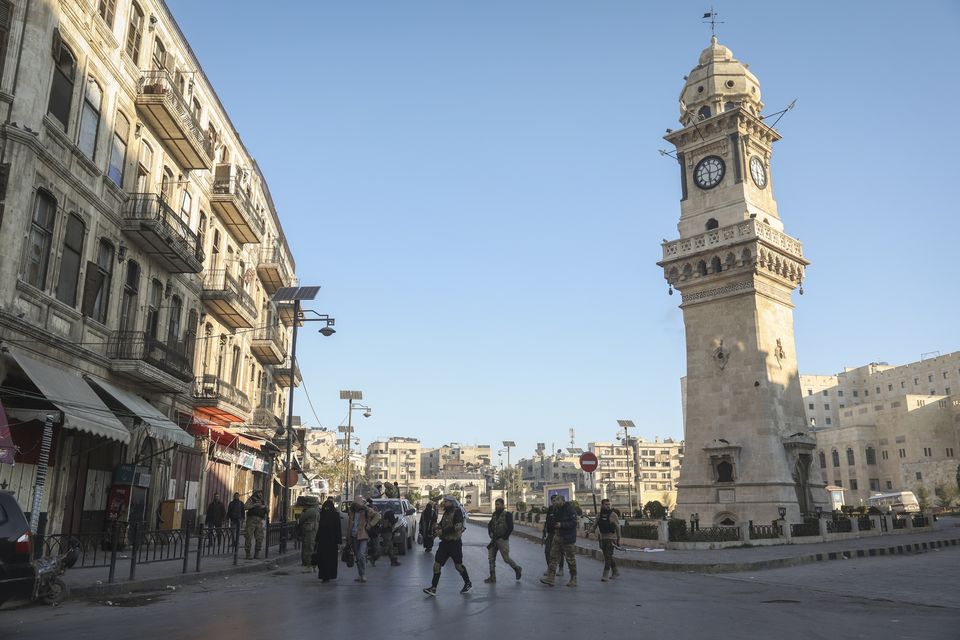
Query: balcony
161,233
227,300
269,344
285,313
273,270
266,417
231,201
282,375
150,362
168,114
218,399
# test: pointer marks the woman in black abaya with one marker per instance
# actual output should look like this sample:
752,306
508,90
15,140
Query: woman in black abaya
329,537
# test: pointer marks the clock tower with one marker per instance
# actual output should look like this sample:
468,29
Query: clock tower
747,451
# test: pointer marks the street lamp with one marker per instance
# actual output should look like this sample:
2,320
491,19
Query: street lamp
350,396
508,444
782,511
296,295
635,456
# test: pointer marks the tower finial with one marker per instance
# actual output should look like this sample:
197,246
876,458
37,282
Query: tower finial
712,15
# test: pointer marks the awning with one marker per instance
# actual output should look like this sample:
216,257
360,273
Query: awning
222,435
158,425
82,409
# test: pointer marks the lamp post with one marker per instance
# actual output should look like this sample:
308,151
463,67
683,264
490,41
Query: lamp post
635,457
347,431
508,444
296,295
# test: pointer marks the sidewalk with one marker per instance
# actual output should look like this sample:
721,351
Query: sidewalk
92,581
765,557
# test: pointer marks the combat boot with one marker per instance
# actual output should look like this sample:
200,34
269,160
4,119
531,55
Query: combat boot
490,580
573,579
256,554
549,580
605,578
616,573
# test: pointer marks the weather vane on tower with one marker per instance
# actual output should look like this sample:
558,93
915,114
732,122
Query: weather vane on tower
712,21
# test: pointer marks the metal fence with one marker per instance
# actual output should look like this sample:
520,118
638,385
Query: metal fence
810,528
840,525
764,531
640,531
865,523
706,534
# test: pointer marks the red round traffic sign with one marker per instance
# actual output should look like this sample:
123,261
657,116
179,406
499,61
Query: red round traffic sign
589,462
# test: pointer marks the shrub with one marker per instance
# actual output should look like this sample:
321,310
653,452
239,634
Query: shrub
521,506
654,509
678,529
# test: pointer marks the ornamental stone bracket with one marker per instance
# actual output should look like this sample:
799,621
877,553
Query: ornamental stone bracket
799,443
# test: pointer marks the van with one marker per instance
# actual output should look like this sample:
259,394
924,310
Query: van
897,502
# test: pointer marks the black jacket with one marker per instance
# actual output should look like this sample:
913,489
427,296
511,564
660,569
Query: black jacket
235,510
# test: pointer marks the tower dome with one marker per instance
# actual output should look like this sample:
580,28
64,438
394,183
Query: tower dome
718,83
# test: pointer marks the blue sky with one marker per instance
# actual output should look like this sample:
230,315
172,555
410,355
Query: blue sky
476,186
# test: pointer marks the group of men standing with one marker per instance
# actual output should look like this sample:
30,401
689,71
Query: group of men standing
253,513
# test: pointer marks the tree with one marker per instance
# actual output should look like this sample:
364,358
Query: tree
414,495
655,510
945,495
923,497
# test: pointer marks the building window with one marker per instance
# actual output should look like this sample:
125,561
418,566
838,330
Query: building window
153,309
131,291
874,484
70,261
854,393
826,392
829,421
90,119
850,461
853,484
202,230
840,393
842,406
928,452
810,406
185,206
930,378
919,476
866,392
135,33
826,407
107,10
823,460
902,452
159,55
37,257
118,152
235,369
61,89
835,456
889,388
6,15
889,484
173,322
871,455
949,452
96,292
884,455
809,392
902,384
916,381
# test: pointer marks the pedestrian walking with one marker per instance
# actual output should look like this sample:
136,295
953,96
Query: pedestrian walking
362,518
608,530
564,541
382,539
235,515
499,528
428,520
216,514
549,531
329,538
307,523
256,513
449,529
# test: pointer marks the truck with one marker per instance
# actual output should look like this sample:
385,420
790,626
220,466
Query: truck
896,501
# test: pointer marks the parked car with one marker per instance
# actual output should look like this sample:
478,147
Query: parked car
16,546
405,531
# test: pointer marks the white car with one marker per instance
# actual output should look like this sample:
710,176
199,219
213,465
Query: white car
405,531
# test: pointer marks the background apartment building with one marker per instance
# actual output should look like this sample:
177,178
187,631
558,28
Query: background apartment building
454,458
649,473
394,459
140,247
879,427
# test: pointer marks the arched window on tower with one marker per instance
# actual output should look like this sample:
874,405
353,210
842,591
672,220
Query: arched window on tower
704,113
712,224
729,262
746,257
702,268
715,265
850,461
724,472
835,458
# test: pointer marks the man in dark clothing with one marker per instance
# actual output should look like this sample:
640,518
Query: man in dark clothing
449,529
235,515
499,528
549,531
216,514
428,520
564,541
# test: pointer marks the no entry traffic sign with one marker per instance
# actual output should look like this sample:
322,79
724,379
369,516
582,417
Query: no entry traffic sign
589,462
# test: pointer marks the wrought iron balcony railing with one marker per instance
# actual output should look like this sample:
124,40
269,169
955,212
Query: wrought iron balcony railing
139,345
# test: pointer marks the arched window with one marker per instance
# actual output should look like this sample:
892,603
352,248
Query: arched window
687,270
61,89
729,106
107,10
702,268
36,259
235,367
746,257
67,281
215,250
90,119
118,151
166,185
674,275
144,168
159,55
724,472
173,323
871,455
128,302
823,460
712,224
207,349
704,112
715,265
135,33
835,458
850,461
730,262
96,288
153,308
202,231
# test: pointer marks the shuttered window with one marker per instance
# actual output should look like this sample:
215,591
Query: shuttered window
70,260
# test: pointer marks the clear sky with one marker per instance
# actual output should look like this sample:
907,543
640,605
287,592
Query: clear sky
476,186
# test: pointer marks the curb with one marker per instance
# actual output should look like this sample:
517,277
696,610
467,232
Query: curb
160,583
772,563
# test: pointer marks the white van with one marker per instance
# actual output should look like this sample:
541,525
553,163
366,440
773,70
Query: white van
897,501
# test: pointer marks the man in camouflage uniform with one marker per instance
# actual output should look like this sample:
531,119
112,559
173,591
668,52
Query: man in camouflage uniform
256,513
608,529
564,541
499,528
449,529
308,522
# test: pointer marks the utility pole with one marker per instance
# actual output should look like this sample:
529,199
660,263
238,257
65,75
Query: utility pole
635,457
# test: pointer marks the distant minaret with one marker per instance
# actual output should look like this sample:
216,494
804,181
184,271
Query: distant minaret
746,448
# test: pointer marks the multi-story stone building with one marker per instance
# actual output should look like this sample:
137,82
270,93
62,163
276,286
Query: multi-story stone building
655,478
885,428
140,247
394,459
454,457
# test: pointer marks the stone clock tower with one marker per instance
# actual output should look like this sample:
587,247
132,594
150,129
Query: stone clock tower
746,450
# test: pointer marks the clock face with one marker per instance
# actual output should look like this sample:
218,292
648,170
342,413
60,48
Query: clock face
758,172
709,172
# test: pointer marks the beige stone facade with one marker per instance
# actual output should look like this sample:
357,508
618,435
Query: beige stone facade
883,428
394,459
656,476
140,246
454,457
746,447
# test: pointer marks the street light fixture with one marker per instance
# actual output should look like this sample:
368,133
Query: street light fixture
296,295
635,455
350,396
508,444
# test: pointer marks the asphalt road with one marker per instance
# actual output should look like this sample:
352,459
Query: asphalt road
877,598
